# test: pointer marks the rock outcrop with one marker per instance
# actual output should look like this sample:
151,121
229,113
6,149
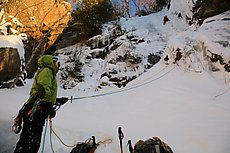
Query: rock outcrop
39,22
9,64
41,17
208,8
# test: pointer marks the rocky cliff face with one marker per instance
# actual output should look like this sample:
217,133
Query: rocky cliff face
41,17
208,8
38,22
42,21
121,54
9,64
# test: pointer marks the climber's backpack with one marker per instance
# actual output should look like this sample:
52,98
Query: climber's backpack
152,145
89,146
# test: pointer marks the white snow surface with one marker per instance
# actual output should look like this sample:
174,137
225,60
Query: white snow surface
188,110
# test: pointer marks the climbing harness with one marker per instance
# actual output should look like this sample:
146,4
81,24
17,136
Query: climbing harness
36,106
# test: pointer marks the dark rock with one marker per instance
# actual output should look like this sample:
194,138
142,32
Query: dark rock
208,8
153,59
10,64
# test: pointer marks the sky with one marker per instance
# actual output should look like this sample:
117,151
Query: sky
184,104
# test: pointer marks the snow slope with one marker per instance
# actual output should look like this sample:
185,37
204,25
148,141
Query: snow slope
186,110
190,111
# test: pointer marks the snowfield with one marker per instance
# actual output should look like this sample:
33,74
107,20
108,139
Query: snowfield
186,110
184,104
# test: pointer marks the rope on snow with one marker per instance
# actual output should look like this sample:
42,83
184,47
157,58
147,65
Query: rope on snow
139,84
224,92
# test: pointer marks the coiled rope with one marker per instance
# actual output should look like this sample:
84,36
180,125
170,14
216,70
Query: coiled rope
107,141
52,131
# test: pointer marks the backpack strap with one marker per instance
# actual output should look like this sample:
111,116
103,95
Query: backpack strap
162,144
153,144
147,146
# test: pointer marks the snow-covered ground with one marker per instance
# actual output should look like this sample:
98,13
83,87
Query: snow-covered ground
189,110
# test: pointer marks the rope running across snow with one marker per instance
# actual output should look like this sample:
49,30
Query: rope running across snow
107,141
139,84
52,131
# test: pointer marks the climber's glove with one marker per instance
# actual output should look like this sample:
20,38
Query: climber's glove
62,100
52,113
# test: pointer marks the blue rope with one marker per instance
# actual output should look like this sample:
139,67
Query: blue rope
44,136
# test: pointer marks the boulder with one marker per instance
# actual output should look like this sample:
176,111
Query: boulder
10,64
208,8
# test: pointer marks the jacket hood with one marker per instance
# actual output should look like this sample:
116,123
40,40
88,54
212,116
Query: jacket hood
45,61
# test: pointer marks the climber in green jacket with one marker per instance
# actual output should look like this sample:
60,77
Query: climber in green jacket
38,107
45,83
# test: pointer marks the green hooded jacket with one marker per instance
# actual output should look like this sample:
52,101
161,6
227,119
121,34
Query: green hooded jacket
45,81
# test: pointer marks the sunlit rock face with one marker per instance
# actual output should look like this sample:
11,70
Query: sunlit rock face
42,21
40,17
